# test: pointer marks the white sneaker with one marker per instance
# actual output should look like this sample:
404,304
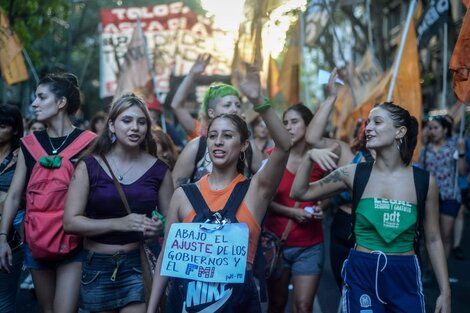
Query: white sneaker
27,283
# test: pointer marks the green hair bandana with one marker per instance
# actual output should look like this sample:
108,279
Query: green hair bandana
217,90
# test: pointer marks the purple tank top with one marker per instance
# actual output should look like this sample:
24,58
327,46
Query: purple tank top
104,201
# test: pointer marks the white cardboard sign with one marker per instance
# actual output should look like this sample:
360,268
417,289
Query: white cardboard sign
217,256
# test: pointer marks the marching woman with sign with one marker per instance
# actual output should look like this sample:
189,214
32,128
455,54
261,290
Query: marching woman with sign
212,263
45,165
392,203
113,198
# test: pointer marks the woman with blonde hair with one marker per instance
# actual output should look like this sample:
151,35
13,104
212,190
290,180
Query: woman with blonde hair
112,273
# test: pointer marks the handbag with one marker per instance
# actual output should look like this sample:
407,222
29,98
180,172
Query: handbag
273,250
147,259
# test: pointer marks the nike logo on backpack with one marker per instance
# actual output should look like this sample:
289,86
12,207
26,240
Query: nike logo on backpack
214,306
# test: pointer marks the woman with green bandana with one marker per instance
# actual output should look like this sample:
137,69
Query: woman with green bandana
393,202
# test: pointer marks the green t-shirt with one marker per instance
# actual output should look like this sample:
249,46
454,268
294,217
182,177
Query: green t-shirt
385,225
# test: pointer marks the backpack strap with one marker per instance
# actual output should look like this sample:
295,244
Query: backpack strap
201,150
197,201
235,199
421,180
202,209
367,155
36,150
361,177
78,144
33,146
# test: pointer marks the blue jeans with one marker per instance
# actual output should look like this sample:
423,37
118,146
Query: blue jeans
9,283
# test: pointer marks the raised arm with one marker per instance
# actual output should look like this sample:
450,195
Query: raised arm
266,181
316,128
337,181
258,158
181,113
435,247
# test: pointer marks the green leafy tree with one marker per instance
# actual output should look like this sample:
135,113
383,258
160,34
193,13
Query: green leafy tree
32,20
63,35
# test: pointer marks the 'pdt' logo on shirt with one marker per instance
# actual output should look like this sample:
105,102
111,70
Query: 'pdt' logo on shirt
392,220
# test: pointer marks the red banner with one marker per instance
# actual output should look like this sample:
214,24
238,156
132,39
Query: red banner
175,36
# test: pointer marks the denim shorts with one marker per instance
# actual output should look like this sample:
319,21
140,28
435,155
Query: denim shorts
33,264
110,281
449,207
303,261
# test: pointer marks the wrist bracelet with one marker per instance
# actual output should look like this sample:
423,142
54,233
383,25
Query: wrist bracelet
263,106
3,234
461,155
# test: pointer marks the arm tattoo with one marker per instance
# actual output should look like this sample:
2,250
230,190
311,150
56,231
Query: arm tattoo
334,177
181,180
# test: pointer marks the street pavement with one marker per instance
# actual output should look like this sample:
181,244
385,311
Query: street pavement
328,296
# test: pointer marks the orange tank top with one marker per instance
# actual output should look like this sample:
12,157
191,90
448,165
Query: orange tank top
216,200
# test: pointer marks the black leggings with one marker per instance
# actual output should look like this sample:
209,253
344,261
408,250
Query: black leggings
340,243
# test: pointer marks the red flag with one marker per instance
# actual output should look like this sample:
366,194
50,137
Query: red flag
460,61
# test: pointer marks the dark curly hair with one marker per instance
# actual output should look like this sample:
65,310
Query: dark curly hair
64,85
10,115
242,128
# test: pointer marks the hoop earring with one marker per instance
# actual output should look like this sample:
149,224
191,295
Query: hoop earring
242,156
399,144
113,138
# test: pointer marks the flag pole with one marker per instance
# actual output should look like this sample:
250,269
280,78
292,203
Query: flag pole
31,66
152,74
444,67
404,35
461,130
369,28
302,46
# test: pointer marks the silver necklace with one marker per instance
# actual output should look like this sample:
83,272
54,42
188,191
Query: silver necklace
120,176
54,149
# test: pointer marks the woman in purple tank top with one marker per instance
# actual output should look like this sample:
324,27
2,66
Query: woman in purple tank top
111,271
